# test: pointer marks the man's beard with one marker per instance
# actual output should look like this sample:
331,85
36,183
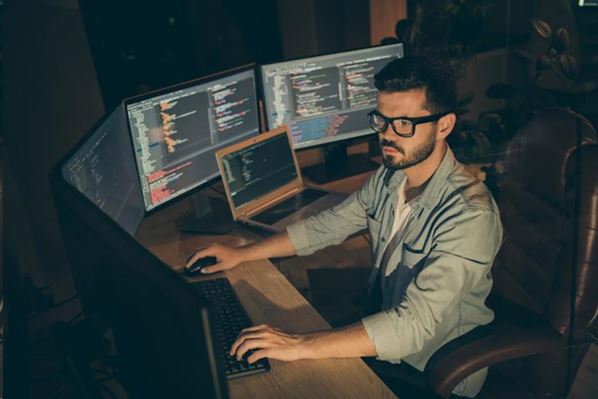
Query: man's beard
419,154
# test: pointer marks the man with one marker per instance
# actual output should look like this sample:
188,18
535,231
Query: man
435,232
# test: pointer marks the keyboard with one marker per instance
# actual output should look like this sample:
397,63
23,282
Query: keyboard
230,318
289,206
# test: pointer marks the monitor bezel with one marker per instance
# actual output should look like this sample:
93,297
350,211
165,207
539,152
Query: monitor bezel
181,86
341,138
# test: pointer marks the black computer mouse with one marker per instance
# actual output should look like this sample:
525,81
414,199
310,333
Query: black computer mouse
199,264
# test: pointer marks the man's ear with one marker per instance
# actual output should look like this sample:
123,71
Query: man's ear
446,124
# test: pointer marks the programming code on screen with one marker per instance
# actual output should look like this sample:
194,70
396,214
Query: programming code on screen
326,98
176,134
259,169
104,171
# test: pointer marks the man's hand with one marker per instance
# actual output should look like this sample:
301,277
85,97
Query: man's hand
228,257
266,341
277,245
270,342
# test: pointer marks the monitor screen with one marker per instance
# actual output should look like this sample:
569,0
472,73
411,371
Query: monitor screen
176,131
258,169
588,3
326,98
104,171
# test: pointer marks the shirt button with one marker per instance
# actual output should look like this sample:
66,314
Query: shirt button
383,239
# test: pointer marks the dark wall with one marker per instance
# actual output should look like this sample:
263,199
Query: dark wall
138,45
51,98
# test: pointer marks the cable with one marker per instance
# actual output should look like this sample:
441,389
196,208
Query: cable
54,306
74,318
45,337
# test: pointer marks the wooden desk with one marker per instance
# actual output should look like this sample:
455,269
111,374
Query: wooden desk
269,298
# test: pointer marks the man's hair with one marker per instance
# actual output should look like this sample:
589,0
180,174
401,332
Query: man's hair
436,78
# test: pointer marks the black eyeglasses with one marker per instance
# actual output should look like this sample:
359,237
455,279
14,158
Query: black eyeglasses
403,125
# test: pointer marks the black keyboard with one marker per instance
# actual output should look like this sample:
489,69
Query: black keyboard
289,206
230,319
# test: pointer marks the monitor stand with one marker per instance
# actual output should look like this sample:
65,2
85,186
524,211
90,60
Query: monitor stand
339,165
207,216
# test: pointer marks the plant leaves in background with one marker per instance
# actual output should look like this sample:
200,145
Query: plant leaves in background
523,56
542,28
544,62
389,40
501,91
568,65
562,39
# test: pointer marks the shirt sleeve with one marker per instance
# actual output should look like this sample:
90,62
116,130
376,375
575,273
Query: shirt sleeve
333,226
463,251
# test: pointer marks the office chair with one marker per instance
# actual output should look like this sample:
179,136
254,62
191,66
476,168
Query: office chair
534,268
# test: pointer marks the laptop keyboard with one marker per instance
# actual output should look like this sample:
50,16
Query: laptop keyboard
289,206
230,319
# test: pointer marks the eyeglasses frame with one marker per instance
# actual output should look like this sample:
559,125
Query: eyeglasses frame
414,121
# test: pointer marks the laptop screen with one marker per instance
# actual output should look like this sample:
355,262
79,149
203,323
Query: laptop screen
258,169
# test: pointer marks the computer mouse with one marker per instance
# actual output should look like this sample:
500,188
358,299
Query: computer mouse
199,264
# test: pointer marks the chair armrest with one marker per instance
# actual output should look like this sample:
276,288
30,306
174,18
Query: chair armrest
483,347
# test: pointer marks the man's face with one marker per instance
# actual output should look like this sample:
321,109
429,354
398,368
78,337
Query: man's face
403,152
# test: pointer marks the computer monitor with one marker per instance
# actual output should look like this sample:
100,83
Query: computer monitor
160,324
101,168
176,131
325,99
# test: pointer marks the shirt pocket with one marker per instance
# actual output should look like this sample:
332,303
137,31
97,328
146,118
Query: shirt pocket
412,258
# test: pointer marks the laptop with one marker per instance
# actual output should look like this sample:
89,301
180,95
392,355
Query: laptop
263,184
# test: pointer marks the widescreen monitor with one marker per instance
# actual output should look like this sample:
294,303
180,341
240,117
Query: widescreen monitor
326,98
176,131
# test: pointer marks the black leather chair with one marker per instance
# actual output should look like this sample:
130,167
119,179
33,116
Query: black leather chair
534,268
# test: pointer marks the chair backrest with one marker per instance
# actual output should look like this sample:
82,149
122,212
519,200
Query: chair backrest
537,200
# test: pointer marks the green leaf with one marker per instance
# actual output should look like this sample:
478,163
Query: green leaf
568,66
544,62
542,28
562,39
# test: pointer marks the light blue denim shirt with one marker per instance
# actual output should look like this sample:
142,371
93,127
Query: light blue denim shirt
437,277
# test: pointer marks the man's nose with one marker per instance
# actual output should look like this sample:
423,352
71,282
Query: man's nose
389,134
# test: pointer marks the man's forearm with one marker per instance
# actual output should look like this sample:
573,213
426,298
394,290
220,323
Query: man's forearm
276,246
347,342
